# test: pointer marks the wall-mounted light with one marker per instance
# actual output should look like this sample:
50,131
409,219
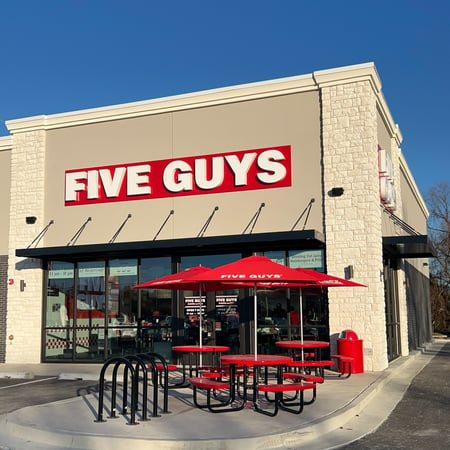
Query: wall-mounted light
348,272
336,191
30,220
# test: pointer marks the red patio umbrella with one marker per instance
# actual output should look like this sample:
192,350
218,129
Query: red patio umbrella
319,279
176,281
262,271
256,270
316,279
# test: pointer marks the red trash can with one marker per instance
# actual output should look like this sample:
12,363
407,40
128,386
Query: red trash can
348,344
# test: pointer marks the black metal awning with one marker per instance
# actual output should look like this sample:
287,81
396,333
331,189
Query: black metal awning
416,246
243,243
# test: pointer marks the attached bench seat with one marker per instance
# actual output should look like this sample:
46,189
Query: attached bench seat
205,383
344,364
280,403
223,373
212,375
160,366
219,372
303,377
207,368
164,369
307,366
211,385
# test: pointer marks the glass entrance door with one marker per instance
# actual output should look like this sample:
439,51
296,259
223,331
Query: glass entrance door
88,317
122,311
58,314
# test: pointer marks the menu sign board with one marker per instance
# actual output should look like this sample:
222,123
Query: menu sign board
60,273
123,270
307,259
226,304
192,307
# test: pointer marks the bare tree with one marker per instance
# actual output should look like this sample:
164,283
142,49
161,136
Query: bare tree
438,201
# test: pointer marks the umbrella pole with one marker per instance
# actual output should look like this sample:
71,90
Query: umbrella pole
200,324
301,322
255,318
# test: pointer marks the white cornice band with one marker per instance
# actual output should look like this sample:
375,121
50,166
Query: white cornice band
250,91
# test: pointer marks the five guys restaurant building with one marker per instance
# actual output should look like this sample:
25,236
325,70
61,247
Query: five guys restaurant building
306,170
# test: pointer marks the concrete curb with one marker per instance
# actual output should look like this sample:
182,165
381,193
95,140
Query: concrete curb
17,375
78,376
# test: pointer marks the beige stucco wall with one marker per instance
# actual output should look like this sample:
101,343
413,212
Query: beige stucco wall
384,134
413,211
285,120
391,228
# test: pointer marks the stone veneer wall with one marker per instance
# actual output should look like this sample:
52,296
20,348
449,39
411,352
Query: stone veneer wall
27,199
353,221
3,303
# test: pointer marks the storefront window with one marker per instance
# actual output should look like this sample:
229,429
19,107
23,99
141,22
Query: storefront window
122,306
278,256
280,310
273,307
220,310
315,311
313,300
155,306
58,314
90,310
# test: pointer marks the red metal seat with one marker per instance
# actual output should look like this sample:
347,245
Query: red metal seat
344,364
212,385
286,405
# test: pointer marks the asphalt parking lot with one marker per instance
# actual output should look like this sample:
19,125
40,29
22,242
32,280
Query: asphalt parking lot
19,393
421,420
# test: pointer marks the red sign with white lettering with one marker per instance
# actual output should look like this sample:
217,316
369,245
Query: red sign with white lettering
195,175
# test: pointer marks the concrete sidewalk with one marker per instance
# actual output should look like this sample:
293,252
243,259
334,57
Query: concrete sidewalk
345,410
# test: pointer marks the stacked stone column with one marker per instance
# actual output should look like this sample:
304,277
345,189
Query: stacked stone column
25,294
353,220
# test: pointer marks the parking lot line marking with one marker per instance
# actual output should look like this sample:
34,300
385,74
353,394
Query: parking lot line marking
28,382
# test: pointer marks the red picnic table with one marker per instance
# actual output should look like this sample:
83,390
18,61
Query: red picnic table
309,360
250,361
198,350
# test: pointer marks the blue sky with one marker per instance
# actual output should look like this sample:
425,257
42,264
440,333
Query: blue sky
64,55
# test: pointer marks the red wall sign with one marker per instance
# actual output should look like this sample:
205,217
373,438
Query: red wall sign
209,174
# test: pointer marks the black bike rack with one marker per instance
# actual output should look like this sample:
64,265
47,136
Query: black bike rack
138,363
160,376
154,370
117,361
133,365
